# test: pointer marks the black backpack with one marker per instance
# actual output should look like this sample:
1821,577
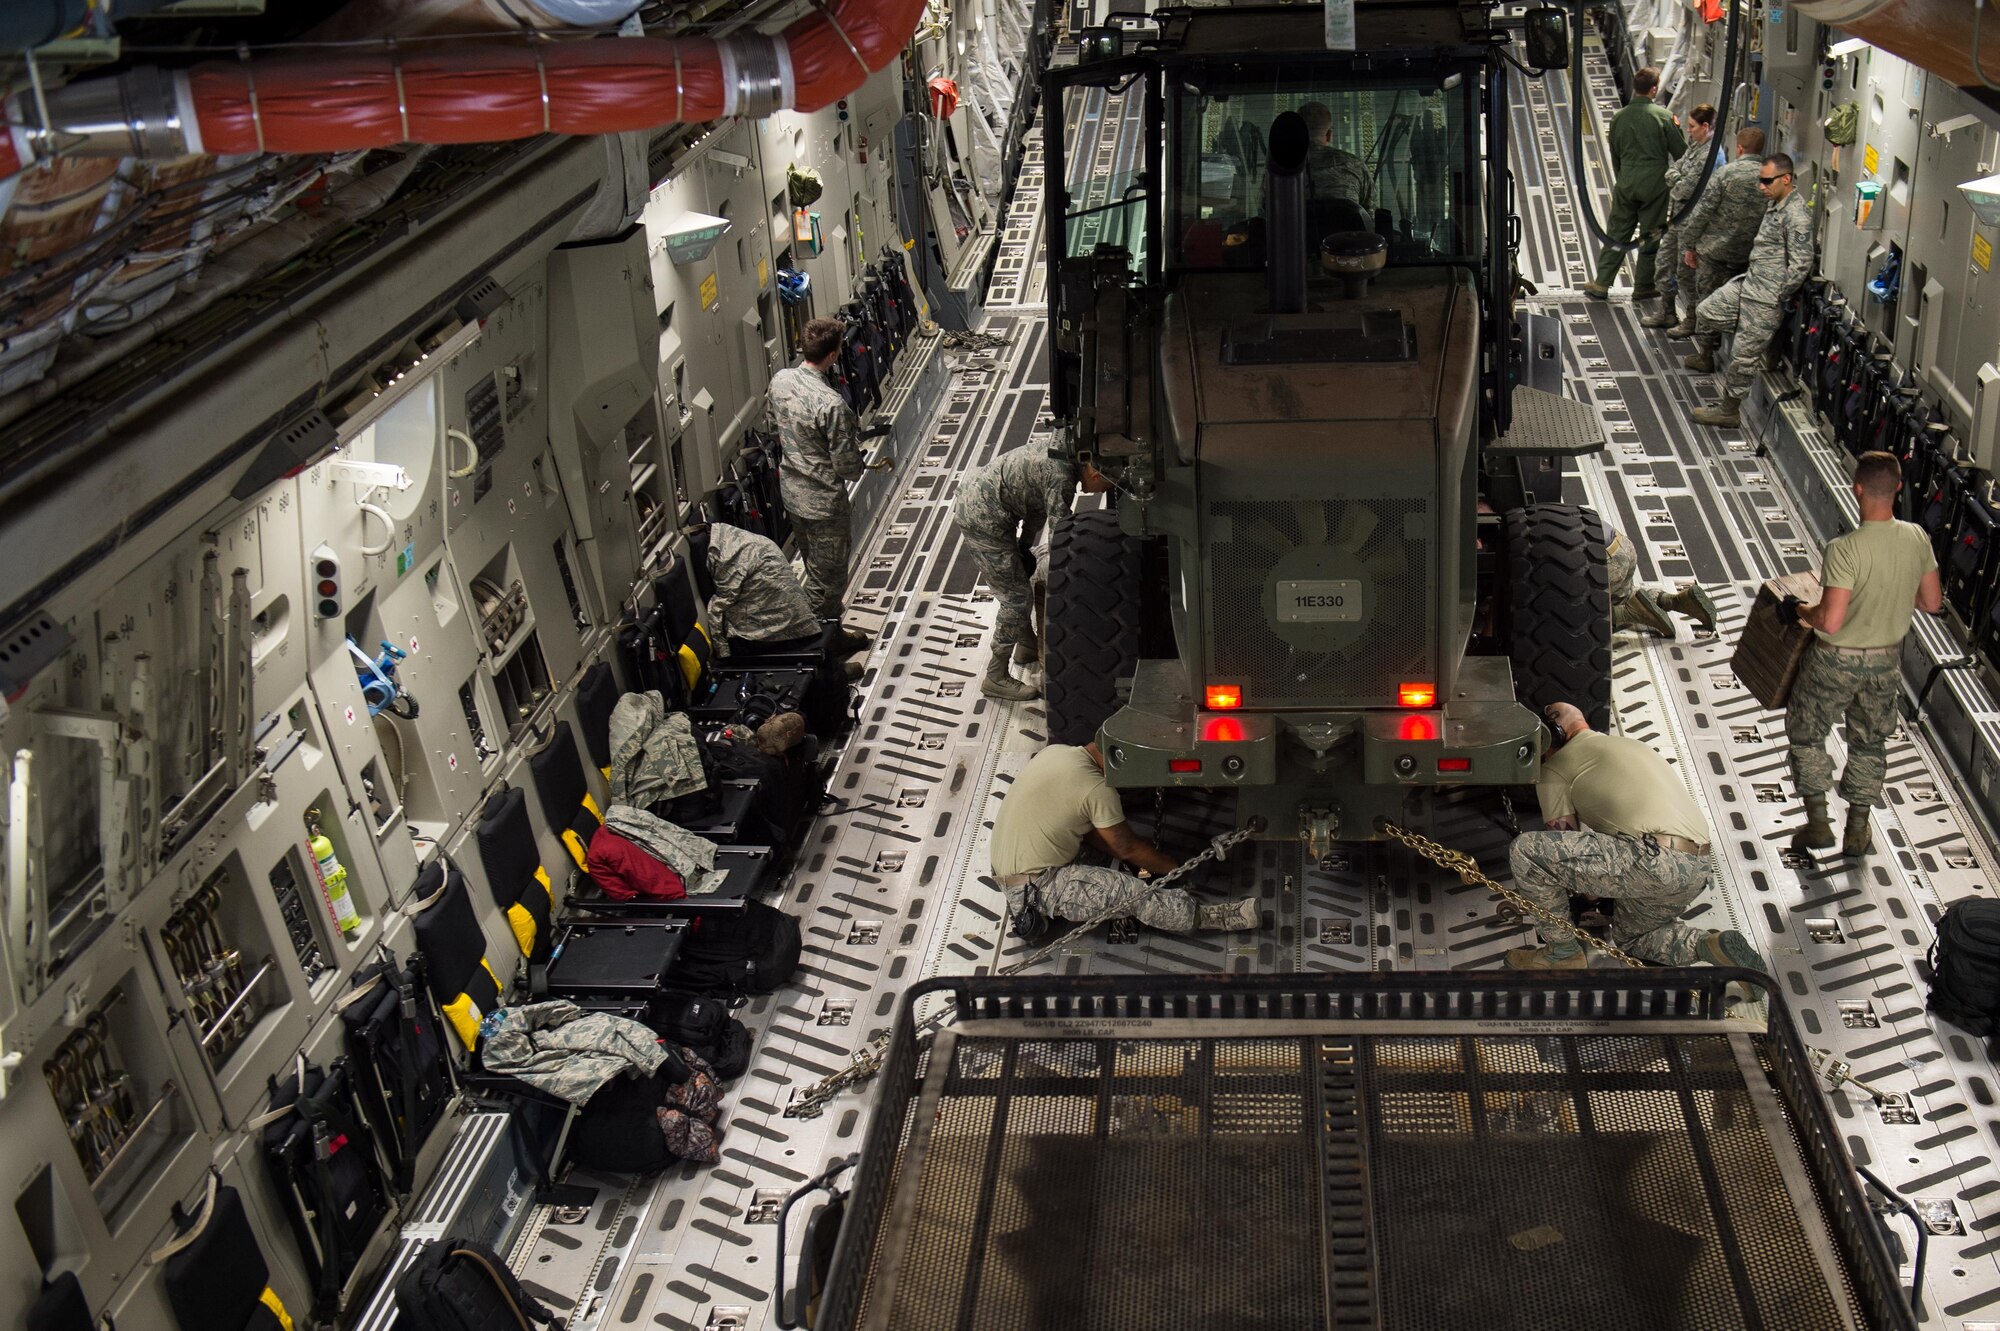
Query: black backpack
751,953
1965,967
704,1025
459,1285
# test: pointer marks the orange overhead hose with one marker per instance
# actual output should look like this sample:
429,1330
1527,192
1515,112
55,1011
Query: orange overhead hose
320,101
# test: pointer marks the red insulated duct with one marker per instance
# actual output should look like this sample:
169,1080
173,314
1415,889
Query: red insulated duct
320,102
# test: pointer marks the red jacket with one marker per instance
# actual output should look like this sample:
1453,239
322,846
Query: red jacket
626,871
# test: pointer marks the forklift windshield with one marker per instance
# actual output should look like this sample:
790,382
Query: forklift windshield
1392,158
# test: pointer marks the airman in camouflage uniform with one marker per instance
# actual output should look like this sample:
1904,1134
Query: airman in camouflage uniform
1752,306
1682,177
756,598
1000,510
1334,173
1644,139
1059,798
1636,607
1622,827
654,754
1722,227
821,442
1874,577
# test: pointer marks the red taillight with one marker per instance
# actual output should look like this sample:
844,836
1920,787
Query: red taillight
1221,730
1222,697
1188,765
1417,728
1454,764
1415,695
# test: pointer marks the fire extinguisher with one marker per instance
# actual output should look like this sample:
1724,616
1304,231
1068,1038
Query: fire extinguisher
332,877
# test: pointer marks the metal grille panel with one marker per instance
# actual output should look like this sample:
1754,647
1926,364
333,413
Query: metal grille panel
1382,542
1117,1186
1587,1182
1651,1180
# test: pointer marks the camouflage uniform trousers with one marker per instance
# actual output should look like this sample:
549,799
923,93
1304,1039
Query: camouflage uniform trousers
1667,275
1754,321
1686,288
999,559
1079,892
1709,275
1651,886
825,544
1622,566
1862,689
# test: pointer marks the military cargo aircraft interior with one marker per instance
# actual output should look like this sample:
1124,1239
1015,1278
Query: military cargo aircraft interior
999,664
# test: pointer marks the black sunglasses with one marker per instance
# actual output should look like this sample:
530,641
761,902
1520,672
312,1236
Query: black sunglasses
1772,180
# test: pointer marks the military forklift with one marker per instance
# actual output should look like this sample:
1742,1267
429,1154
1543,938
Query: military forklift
1336,578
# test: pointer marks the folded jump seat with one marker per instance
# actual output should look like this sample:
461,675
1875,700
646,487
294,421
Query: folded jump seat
323,1164
402,1067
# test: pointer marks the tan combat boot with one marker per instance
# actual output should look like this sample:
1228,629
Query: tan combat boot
1538,959
1228,917
1725,413
1726,947
1860,837
1641,611
1701,361
1596,291
1685,328
1817,834
1666,317
1693,602
1027,653
998,683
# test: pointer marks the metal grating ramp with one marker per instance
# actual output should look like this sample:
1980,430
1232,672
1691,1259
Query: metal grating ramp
1319,1160
1631,1181
1113,1186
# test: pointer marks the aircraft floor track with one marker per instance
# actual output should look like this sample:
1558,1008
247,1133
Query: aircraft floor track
892,887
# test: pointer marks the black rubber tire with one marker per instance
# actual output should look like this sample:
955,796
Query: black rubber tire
1559,609
1091,633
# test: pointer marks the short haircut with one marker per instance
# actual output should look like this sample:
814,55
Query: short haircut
1878,474
1782,162
1750,139
1703,114
821,339
1646,82
1319,119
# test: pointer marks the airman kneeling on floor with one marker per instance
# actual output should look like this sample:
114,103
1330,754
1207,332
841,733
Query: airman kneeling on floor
1621,827
1060,798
